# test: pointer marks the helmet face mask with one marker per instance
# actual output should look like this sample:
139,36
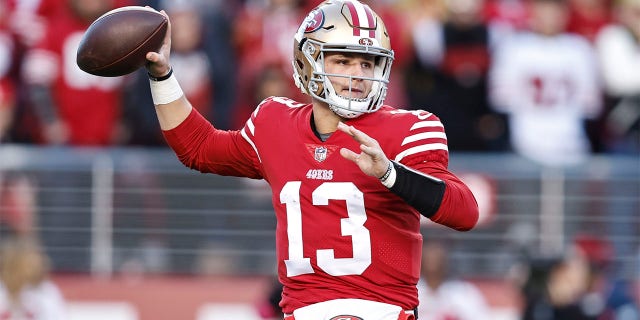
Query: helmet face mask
343,26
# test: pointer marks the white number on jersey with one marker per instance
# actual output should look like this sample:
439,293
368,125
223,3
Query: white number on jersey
421,114
352,226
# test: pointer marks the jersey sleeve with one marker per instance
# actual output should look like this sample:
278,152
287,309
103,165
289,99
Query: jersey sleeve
202,147
424,148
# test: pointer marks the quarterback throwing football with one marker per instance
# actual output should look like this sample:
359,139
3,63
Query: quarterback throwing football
350,176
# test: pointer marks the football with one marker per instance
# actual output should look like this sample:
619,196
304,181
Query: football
117,42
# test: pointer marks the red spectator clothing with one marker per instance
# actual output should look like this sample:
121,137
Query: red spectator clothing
263,38
588,23
7,94
7,87
89,105
340,233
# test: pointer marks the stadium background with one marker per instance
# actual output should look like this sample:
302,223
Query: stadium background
132,234
130,229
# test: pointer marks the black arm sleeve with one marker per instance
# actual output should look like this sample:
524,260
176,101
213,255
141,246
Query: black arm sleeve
421,191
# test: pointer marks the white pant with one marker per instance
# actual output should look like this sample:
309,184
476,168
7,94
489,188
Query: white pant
349,309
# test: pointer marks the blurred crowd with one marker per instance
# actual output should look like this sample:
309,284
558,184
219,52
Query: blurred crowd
575,285
553,80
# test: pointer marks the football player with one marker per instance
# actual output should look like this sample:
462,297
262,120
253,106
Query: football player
350,176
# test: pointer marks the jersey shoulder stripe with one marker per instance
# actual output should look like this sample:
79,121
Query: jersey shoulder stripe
249,129
426,134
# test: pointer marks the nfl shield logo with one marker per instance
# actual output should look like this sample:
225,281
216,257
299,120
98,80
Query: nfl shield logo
320,154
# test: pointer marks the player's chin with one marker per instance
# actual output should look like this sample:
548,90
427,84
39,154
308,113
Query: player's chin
357,96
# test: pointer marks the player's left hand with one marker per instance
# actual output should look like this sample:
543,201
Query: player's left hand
372,160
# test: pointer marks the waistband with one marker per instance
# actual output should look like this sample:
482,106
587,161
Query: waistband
341,309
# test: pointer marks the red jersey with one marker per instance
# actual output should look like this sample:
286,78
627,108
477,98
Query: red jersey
88,104
340,233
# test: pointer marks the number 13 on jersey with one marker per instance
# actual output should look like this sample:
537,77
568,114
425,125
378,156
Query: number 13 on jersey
352,226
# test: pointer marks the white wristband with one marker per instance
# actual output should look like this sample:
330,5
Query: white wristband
390,180
165,91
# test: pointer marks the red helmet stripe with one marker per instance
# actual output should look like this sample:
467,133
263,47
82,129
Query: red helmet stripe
367,10
354,17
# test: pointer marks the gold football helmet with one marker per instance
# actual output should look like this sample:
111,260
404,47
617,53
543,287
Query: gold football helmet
341,26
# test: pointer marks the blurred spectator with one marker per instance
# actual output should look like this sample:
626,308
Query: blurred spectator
269,307
25,21
443,298
7,82
73,107
547,82
25,290
17,200
270,81
607,297
141,129
263,30
618,47
554,289
203,33
28,19
506,15
145,250
202,56
587,17
448,75
17,203
262,35
218,44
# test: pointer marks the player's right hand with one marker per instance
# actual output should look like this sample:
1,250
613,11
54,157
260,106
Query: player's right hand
158,64
372,160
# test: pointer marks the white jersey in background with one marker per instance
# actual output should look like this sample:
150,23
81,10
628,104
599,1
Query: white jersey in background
548,85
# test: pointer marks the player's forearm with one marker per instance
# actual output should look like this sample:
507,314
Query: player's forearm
437,194
458,209
188,136
423,192
172,107
172,114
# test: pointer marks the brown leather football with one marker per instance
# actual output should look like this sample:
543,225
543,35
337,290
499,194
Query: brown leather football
116,43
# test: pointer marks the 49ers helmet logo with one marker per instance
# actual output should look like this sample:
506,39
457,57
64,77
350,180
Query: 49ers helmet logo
365,42
345,317
313,21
